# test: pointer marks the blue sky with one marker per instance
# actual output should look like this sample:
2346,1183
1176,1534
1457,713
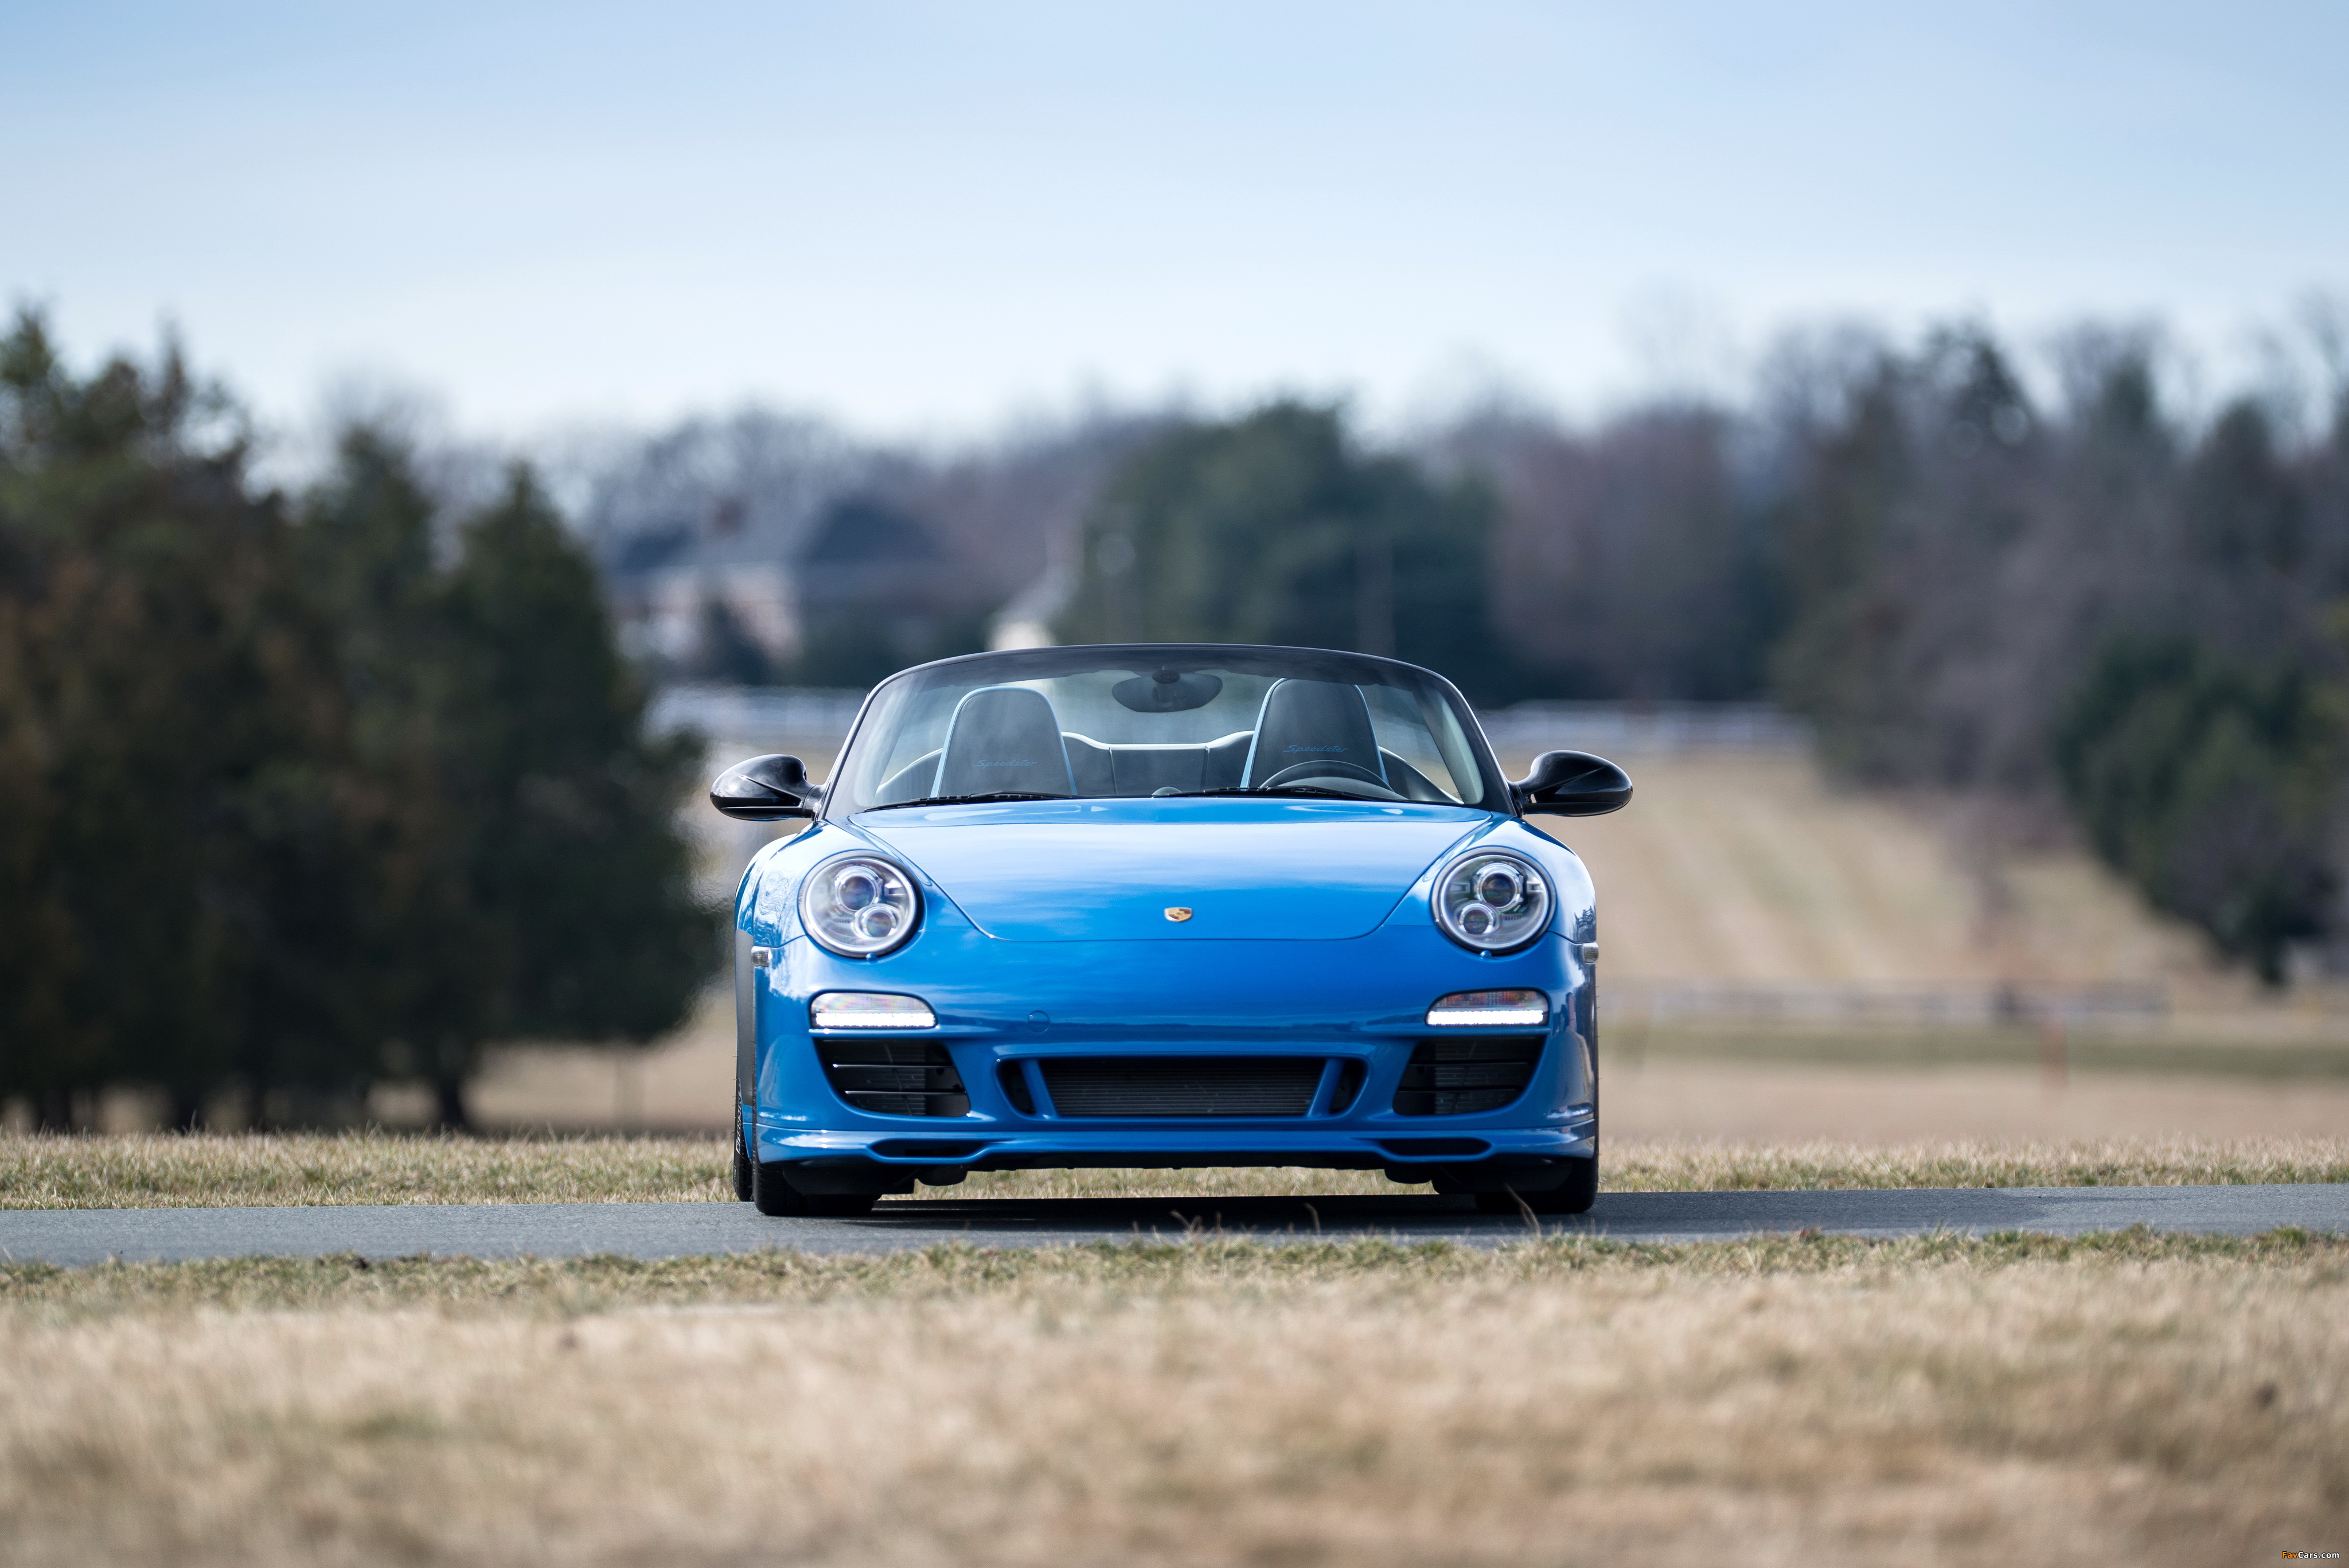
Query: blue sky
925,218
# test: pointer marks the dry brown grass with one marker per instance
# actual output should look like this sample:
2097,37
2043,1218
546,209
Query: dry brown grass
2169,1047
169,1170
1759,869
1798,1401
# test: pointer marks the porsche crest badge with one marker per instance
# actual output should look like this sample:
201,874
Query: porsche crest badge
1178,914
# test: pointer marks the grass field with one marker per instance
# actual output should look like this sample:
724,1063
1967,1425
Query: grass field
1797,1400
171,1170
1911,1049
1756,868
1794,1399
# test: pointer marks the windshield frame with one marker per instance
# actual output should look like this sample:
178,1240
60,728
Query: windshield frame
1036,663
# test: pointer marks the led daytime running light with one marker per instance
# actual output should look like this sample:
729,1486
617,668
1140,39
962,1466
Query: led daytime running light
869,1010
1489,1010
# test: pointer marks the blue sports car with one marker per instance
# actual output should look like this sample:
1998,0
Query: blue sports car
1165,905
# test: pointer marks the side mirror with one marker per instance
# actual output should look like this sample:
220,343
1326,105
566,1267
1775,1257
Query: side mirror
1572,784
765,789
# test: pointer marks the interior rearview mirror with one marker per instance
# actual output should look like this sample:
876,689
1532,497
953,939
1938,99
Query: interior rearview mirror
766,789
1572,784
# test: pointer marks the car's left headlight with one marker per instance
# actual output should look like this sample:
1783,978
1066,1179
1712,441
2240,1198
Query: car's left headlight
1492,900
859,905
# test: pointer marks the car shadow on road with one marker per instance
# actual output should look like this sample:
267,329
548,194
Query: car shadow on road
1337,1215
1628,1216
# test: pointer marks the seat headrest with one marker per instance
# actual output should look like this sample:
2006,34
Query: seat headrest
1003,738
1304,720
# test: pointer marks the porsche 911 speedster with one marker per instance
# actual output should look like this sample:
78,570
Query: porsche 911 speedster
1165,905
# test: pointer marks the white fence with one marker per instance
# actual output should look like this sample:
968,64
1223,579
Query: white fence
774,717
1613,729
1979,1006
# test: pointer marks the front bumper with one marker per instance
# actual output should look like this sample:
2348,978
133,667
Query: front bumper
1007,1009
1528,1159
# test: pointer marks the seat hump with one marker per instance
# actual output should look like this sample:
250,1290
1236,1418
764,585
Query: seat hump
1003,738
1302,721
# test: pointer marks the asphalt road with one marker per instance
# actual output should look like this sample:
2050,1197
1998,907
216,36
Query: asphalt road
74,1236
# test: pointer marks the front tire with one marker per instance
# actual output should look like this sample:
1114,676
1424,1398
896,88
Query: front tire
742,1172
1575,1195
775,1196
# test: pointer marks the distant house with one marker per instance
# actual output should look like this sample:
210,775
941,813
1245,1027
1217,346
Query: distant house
663,612
762,541
697,530
864,587
867,560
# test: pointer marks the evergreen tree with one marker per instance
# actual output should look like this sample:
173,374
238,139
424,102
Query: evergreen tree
367,547
293,807
1273,529
2214,785
576,873
1894,536
178,797
530,877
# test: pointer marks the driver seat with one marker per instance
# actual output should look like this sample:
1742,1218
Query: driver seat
1302,721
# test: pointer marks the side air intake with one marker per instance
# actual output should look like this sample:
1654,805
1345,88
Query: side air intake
894,1077
1458,1077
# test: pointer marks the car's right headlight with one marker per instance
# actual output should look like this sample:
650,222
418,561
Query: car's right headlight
1492,900
859,905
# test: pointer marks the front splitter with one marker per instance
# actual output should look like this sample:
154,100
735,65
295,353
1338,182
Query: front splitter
1182,1147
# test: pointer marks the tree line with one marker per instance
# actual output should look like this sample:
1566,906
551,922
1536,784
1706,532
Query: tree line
2091,600
299,793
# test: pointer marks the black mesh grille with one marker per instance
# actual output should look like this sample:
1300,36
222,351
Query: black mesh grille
1183,1086
1453,1078
894,1077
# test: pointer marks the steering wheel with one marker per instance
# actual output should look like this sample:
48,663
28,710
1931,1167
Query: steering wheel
1328,768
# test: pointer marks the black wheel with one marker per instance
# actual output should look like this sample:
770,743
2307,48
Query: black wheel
1575,1195
774,1195
741,1160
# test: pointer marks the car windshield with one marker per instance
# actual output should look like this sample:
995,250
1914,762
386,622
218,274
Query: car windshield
1164,720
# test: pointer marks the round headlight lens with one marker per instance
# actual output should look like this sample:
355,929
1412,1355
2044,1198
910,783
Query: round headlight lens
859,905
1492,900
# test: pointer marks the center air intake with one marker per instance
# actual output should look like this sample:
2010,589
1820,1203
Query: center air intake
1181,1086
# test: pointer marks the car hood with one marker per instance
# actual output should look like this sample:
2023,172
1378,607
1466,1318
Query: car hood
1109,871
